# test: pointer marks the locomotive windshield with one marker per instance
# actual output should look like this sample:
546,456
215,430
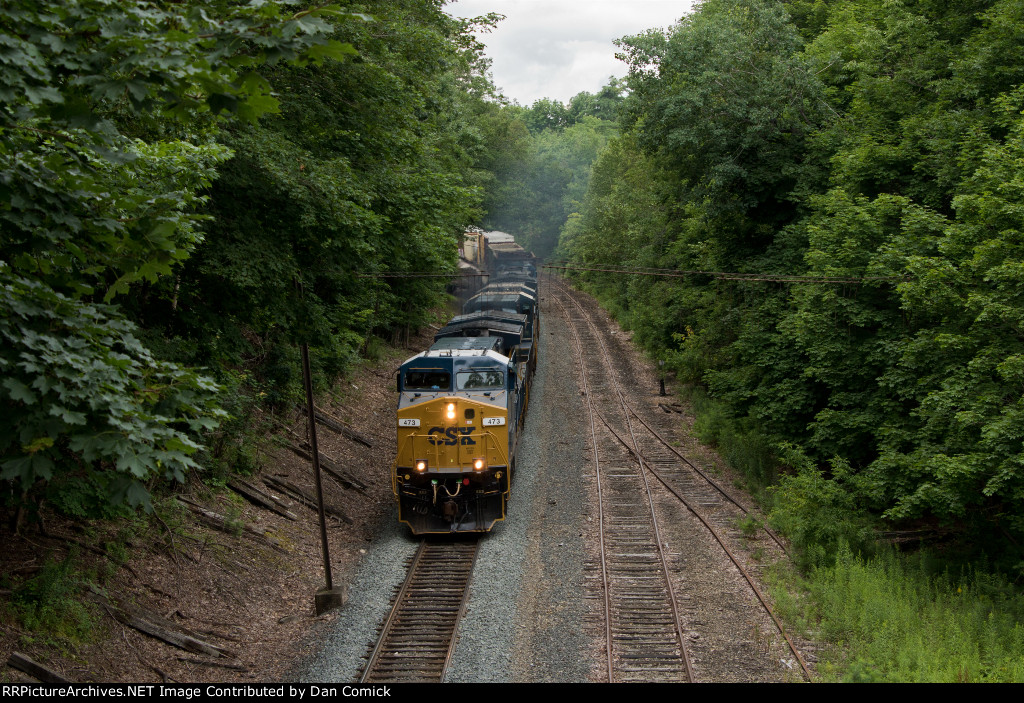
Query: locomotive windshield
427,380
480,379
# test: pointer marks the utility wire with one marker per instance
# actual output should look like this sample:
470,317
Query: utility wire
419,274
722,275
663,273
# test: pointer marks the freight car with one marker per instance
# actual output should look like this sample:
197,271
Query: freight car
462,404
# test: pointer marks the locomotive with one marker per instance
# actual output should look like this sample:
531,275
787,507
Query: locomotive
462,402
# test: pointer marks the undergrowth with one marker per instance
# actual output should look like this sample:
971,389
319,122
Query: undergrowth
883,615
907,618
50,608
742,447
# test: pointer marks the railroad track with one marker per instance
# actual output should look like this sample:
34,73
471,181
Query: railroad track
416,641
651,453
644,634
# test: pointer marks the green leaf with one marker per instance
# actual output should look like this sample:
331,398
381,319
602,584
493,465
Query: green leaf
19,391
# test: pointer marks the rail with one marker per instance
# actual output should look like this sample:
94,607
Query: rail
417,640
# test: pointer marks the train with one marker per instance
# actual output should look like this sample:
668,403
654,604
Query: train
462,402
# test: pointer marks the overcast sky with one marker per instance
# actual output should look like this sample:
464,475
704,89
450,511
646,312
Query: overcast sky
557,48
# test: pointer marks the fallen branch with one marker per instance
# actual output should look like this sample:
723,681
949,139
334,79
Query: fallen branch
220,635
160,628
330,467
336,425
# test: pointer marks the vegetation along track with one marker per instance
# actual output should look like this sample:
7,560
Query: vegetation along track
711,505
417,639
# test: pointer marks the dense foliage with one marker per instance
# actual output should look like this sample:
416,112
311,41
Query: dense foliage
854,139
190,189
364,170
191,185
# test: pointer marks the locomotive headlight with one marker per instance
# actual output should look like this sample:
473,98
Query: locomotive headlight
479,464
421,465
451,411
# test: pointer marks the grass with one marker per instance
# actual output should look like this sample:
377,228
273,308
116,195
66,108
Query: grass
743,448
749,525
900,618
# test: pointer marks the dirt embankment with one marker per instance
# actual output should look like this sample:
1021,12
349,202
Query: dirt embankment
247,593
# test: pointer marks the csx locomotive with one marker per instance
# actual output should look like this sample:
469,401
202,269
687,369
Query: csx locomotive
462,404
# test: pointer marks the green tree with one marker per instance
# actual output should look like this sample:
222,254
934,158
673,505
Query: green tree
86,212
854,139
367,168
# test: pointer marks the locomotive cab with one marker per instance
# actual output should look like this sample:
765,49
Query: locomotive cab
458,412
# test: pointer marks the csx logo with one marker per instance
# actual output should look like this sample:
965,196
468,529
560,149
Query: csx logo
451,436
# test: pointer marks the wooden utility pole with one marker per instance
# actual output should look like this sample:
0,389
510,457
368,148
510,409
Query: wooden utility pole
329,597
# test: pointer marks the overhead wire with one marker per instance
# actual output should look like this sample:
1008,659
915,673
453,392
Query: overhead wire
419,274
661,272
723,275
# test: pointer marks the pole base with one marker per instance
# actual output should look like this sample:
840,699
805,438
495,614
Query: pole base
330,599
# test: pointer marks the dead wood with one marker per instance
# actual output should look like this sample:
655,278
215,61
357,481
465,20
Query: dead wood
282,485
257,497
160,628
219,635
336,425
291,490
222,523
306,498
19,661
330,467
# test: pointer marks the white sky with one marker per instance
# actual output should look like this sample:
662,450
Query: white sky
557,48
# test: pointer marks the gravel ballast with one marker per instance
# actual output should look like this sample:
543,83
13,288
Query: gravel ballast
528,617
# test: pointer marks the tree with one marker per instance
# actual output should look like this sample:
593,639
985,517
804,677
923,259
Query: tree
604,104
87,212
871,141
545,114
